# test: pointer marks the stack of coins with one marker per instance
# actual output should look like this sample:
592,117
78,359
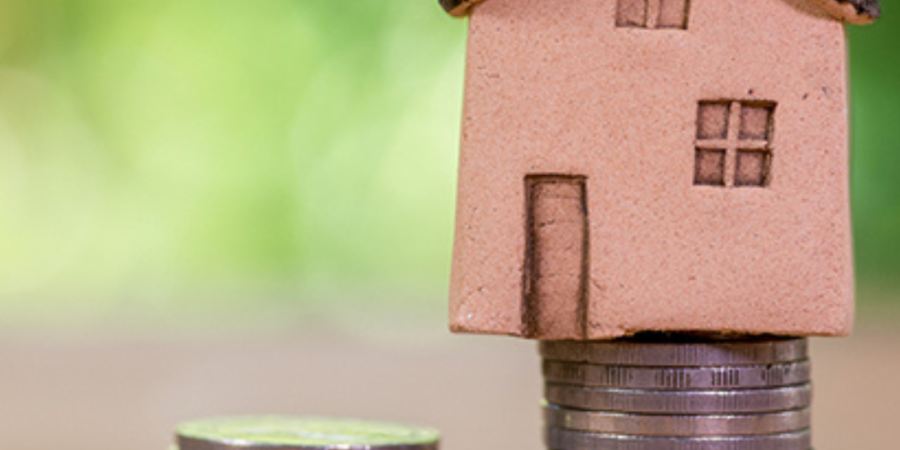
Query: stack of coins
661,392
302,433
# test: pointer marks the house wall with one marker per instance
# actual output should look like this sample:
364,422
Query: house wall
554,87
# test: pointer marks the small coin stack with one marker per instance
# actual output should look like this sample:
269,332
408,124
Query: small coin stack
664,392
302,433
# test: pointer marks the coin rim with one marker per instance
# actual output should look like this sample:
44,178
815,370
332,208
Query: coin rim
797,440
680,425
700,378
641,400
761,351
188,443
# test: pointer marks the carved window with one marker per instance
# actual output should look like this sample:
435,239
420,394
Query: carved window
734,143
671,14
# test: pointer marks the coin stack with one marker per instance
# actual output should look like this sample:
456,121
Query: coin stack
301,433
665,392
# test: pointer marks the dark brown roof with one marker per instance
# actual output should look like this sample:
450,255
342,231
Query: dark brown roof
852,11
459,8
867,11
869,7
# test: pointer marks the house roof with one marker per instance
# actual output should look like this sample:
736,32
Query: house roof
858,12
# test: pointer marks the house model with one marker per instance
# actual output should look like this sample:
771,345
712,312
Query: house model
667,165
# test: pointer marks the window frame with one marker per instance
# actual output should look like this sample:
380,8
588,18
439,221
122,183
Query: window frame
651,15
734,141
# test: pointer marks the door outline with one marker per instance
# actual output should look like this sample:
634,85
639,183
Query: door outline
556,237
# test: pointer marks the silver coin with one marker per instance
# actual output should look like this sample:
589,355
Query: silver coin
680,402
560,439
754,352
643,377
302,433
680,426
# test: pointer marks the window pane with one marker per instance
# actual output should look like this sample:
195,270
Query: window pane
752,168
710,167
632,13
673,14
712,120
756,121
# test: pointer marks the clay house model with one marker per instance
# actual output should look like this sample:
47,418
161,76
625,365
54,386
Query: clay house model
633,165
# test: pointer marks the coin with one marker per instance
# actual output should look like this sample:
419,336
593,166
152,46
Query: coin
302,433
677,378
560,439
758,351
679,402
681,425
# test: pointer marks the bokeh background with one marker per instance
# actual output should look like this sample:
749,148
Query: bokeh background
247,206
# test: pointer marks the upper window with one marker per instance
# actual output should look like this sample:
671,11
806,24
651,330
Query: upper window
653,13
734,143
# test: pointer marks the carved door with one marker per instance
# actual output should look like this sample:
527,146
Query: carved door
556,257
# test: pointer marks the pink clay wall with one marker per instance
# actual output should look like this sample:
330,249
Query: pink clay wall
554,87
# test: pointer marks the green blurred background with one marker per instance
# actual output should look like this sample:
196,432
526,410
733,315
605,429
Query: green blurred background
174,160
233,207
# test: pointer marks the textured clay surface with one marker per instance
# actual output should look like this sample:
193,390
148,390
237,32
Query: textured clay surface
679,166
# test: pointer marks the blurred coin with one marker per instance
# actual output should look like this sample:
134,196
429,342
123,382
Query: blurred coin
756,351
679,402
680,426
560,439
302,433
642,377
